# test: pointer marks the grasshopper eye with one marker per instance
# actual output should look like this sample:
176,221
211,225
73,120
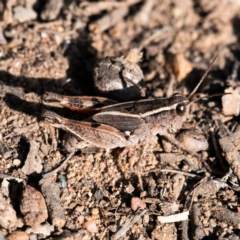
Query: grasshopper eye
181,109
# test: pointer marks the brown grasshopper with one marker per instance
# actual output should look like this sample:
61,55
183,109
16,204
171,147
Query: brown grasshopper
115,125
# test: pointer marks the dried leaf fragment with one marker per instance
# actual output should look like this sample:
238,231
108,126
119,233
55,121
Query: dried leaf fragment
179,66
33,162
90,226
33,207
134,56
137,203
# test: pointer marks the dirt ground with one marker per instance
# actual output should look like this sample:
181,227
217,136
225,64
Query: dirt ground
164,193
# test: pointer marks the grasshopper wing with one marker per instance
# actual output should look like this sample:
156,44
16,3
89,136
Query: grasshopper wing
121,121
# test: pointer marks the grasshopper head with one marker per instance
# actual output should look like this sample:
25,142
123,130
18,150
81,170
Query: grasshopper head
182,104
179,106
169,115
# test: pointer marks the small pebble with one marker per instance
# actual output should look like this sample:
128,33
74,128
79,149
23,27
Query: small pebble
132,160
90,158
2,38
44,35
23,14
137,203
2,236
33,207
90,226
44,149
193,140
7,154
17,162
18,235
95,211
79,209
231,102
62,181
158,92
102,165
14,154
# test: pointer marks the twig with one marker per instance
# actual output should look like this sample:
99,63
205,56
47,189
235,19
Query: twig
8,177
54,138
219,155
54,32
211,171
174,217
158,33
51,193
128,225
91,8
224,215
103,234
142,17
197,226
184,232
180,172
139,177
170,157
46,175
108,20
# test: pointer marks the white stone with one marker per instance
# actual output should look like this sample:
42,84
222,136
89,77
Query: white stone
24,14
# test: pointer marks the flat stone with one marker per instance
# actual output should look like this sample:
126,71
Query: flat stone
24,14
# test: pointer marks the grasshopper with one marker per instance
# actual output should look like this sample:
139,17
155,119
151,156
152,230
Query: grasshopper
113,125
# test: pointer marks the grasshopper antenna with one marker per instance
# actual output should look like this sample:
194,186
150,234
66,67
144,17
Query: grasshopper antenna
203,77
211,96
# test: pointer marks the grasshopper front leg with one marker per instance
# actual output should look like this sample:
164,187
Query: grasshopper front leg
174,141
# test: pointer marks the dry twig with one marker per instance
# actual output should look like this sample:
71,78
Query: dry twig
128,225
51,193
49,174
91,8
108,20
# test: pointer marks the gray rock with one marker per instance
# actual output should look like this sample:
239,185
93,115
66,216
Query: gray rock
23,14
